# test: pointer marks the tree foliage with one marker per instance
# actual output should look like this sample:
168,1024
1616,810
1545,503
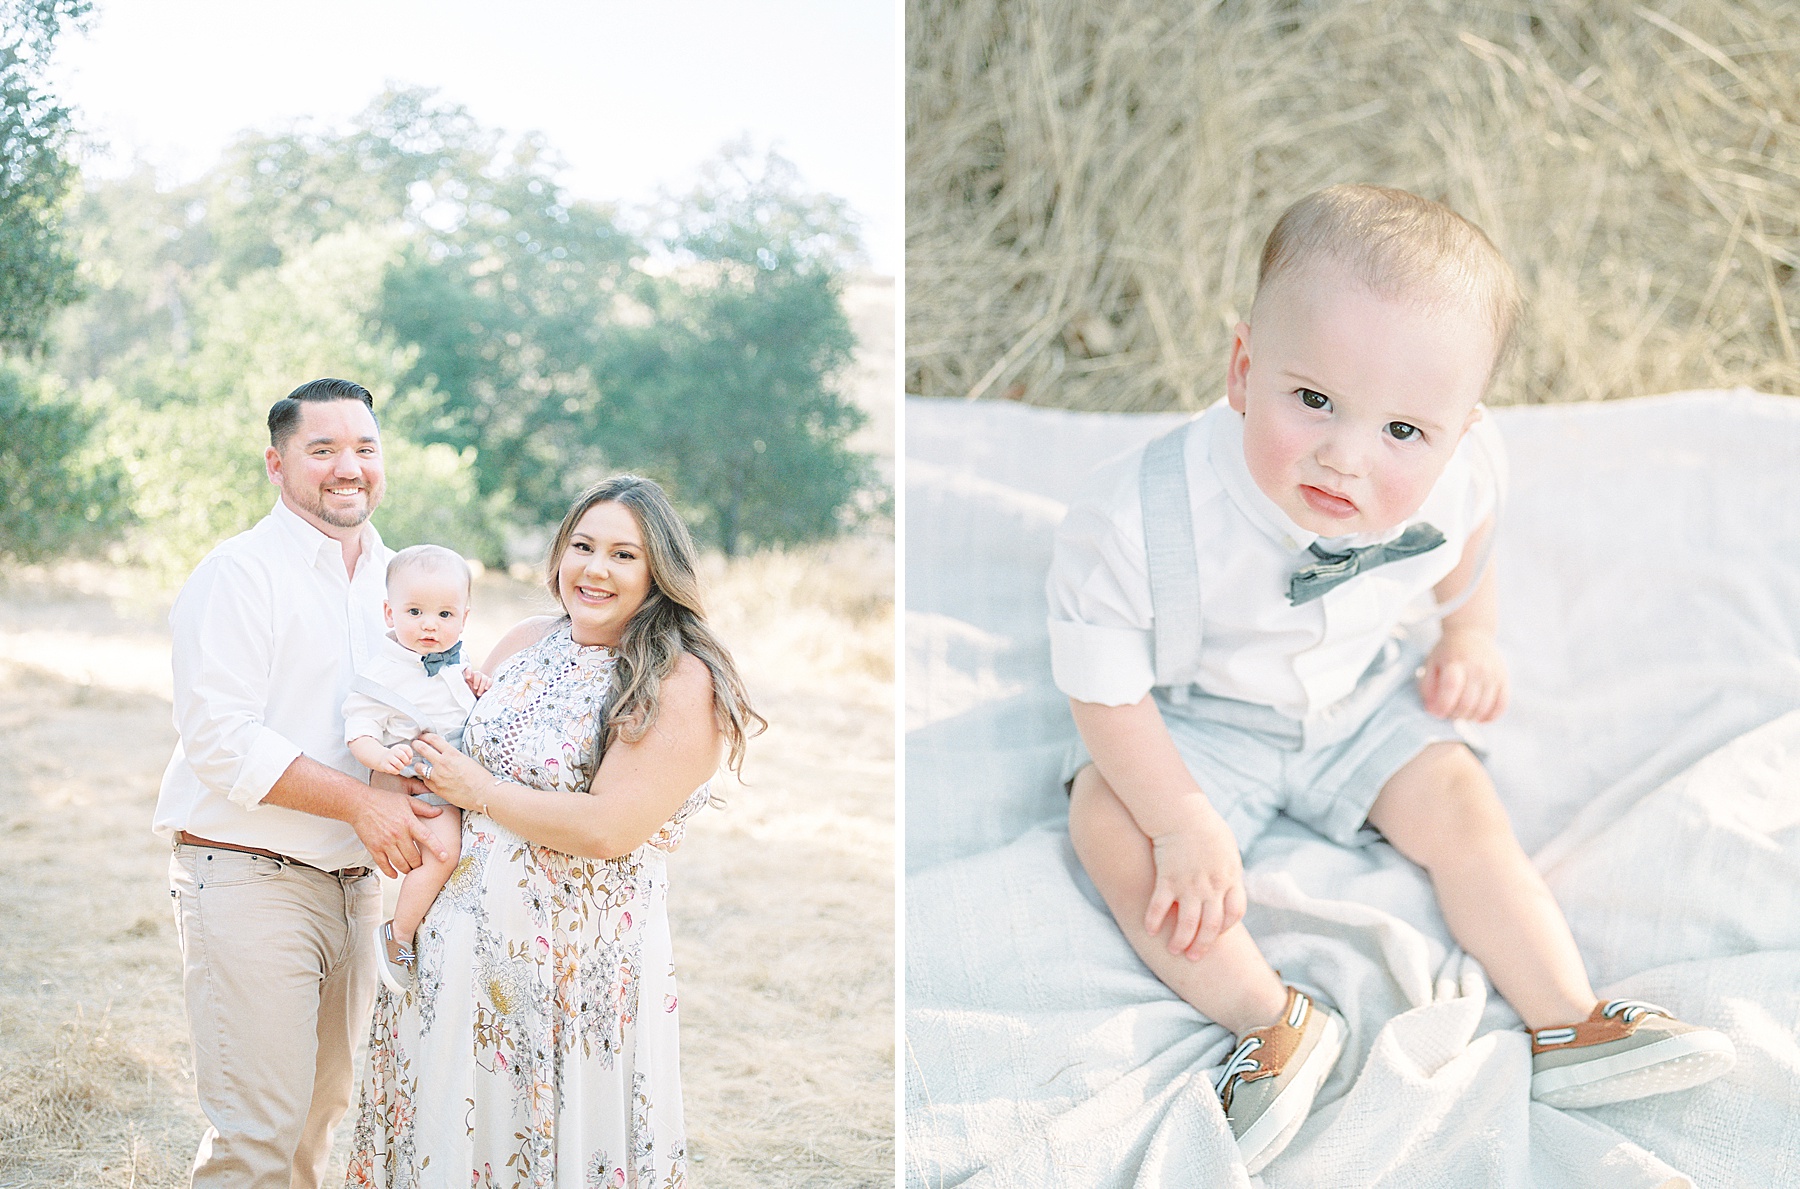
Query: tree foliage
57,494
521,343
731,384
37,271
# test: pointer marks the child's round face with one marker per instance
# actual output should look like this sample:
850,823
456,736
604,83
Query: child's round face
427,610
1353,403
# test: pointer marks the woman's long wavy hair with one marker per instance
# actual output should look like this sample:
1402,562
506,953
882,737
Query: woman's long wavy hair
670,622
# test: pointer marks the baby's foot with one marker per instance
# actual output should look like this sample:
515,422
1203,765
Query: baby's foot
397,960
1625,1049
1269,1084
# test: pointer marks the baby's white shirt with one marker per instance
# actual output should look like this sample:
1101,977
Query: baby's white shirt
1254,645
444,697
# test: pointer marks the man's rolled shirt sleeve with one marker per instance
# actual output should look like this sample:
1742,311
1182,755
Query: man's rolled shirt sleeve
1101,644
221,652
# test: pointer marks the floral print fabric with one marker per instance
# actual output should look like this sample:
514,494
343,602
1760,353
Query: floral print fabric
538,1045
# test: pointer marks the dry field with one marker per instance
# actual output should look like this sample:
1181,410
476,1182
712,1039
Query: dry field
1089,185
783,903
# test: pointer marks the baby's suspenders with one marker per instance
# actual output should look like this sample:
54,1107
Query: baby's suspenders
1174,568
387,697
1169,556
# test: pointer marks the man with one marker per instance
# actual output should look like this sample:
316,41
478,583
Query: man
271,819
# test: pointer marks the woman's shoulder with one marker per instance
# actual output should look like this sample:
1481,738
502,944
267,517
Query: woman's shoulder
523,635
688,689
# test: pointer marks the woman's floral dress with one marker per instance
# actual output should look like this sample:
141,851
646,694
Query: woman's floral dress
538,1045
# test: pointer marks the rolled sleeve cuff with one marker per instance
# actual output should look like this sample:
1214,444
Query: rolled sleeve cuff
269,757
356,728
1108,666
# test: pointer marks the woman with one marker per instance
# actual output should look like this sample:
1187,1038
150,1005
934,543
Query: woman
538,1043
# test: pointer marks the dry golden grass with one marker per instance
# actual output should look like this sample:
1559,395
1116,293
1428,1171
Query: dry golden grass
1089,185
782,904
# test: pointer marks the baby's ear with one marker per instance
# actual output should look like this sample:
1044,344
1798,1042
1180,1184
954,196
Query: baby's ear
1475,414
1237,371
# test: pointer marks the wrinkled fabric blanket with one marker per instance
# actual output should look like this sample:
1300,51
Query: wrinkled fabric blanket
1650,587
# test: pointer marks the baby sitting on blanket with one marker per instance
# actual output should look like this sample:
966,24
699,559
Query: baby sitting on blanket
1242,615
417,682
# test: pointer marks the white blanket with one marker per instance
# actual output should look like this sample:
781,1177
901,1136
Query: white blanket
1650,589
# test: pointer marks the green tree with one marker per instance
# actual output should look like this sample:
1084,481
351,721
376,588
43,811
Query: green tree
732,386
57,492
37,271
508,299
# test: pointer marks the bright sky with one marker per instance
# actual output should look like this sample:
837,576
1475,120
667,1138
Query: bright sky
634,94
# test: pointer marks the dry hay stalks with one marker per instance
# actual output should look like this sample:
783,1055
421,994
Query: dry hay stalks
1089,185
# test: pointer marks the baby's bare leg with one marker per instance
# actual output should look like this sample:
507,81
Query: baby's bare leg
420,886
1232,983
1441,812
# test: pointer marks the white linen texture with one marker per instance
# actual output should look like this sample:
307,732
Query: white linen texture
1649,567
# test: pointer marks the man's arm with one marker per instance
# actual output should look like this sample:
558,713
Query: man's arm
387,821
223,660
1199,872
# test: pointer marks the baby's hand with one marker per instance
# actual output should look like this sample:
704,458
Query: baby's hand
392,760
1200,875
1465,676
479,682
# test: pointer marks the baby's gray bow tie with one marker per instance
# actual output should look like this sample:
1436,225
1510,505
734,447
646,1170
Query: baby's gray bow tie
436,660
1309,582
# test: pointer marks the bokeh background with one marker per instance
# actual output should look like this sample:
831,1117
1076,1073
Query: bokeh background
556,239
1088,186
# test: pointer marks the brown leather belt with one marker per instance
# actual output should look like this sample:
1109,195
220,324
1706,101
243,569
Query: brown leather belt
183,838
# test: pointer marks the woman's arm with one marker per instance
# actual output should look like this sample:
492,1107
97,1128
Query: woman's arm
639,786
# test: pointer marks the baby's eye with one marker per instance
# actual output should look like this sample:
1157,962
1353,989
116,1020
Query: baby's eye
414,611
1400,431
1314,400
443,615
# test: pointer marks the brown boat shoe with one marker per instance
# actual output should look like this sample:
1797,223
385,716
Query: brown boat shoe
1625,1049
1268,1086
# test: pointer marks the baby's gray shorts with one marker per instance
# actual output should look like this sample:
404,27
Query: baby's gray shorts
1253,762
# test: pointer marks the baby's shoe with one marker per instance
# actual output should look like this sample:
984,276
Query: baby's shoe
1269,1084
397,960
1625,1049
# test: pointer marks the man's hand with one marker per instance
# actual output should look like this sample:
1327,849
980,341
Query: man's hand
1465,676
388,823
1200,876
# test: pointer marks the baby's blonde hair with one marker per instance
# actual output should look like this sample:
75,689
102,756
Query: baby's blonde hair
431,559
1402,247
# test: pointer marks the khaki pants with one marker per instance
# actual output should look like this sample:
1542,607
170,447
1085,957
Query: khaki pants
280,980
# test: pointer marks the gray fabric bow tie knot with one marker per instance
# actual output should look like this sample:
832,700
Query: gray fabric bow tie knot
1334,569
437,660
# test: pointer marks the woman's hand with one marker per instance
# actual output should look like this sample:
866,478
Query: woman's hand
451,774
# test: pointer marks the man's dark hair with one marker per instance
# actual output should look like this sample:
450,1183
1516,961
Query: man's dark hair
284,414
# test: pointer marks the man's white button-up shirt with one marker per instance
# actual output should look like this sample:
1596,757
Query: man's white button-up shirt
267,634
1254,645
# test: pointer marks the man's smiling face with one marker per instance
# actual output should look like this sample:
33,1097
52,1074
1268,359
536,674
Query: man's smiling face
329,470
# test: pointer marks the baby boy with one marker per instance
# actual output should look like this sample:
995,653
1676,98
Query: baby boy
416,683
1287,606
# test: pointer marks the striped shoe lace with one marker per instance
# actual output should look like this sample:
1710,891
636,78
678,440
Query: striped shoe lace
1632,1010
1241,1062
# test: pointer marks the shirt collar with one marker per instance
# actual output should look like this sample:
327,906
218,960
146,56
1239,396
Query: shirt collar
317,547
